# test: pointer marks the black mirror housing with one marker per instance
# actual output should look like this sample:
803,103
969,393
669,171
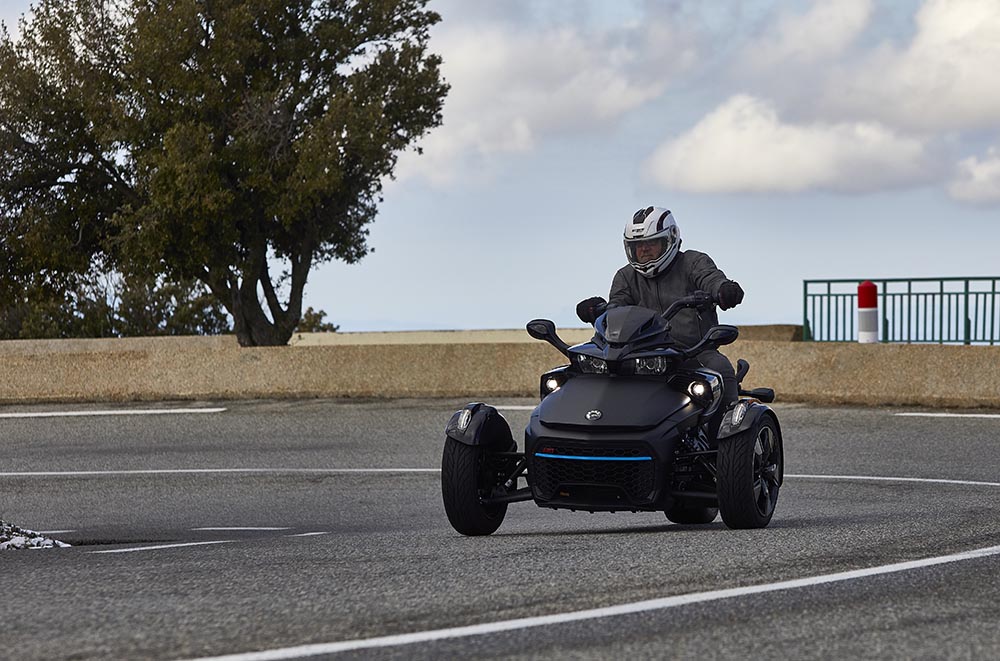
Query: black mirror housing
541,329
545,329
722,335
716,337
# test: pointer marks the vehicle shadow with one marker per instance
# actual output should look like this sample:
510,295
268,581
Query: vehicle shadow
665,527
830,522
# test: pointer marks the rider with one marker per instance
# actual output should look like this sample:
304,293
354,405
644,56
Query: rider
657,274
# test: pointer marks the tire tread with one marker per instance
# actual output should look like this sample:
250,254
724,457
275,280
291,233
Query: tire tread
735,480
459,468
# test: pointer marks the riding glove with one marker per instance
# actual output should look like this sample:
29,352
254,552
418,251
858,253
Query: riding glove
590,309
730,295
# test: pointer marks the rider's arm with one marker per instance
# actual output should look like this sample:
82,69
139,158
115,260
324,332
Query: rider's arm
621,291
703,274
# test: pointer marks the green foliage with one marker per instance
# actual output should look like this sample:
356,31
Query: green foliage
312,322
209,140
111,306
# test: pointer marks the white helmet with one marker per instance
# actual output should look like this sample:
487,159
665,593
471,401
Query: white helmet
653,224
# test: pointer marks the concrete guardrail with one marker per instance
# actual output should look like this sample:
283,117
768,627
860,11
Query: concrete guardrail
470,365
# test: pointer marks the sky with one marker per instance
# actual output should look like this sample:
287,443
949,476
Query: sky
792,140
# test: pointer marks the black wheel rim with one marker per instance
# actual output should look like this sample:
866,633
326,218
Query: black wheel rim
766,470
489,482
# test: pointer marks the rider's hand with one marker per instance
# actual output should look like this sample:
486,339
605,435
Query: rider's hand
590,309
730,295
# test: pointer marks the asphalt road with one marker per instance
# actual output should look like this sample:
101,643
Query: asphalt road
342,556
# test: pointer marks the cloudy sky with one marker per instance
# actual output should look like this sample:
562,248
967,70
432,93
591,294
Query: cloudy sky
793,140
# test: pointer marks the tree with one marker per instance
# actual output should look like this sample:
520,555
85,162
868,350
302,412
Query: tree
109,305
236,143
312,322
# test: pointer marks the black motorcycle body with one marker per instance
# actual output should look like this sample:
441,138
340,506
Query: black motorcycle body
622,427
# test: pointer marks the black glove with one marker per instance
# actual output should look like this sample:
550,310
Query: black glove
730,295
590,309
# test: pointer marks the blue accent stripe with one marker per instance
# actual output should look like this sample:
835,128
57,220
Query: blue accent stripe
566,456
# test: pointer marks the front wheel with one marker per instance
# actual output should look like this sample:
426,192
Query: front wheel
466,478
749,473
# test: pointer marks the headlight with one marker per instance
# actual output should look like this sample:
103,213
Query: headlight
591,365
550,385
699,389
651,366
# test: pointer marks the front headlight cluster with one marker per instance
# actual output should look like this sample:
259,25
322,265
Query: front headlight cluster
591,365
651,366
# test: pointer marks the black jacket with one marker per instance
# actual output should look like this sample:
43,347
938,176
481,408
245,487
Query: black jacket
690,271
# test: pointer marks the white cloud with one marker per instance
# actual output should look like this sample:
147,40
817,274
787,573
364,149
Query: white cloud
796,40
978,180
743,146
513,85
944,79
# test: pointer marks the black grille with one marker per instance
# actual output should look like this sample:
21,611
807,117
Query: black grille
636,478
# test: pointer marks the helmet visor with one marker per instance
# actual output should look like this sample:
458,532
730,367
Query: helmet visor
646,251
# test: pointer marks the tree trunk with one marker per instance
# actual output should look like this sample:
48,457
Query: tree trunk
240,296
251,325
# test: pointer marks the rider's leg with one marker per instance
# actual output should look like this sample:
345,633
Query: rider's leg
714,360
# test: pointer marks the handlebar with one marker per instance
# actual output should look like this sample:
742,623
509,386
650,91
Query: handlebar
699,299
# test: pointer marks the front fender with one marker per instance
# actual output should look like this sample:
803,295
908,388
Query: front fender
481,424
753,412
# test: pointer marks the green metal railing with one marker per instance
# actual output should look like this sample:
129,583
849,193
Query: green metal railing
938,310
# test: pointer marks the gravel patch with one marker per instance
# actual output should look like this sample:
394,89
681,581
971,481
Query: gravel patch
13,537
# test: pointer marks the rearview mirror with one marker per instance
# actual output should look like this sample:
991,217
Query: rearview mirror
722,335
541,329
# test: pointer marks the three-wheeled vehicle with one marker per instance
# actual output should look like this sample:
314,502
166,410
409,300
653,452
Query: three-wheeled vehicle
622,427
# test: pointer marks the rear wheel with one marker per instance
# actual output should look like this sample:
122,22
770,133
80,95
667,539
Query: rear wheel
682,512
749,473
466,478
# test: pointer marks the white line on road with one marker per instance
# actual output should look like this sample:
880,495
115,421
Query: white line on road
74,414
595,613
165,546
53,532
199,471
515,408
876,478
309,534
362,471
949,415
223,529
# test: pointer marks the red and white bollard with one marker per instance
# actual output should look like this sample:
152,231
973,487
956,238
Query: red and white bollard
867,312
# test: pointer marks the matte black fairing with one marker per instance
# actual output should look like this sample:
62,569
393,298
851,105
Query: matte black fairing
644,455
623,403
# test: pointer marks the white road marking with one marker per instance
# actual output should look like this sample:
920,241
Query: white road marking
949,415
165,546
362,471
223,529
515,408
309,534
198,471
877,478
74,414
53,532
596,613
